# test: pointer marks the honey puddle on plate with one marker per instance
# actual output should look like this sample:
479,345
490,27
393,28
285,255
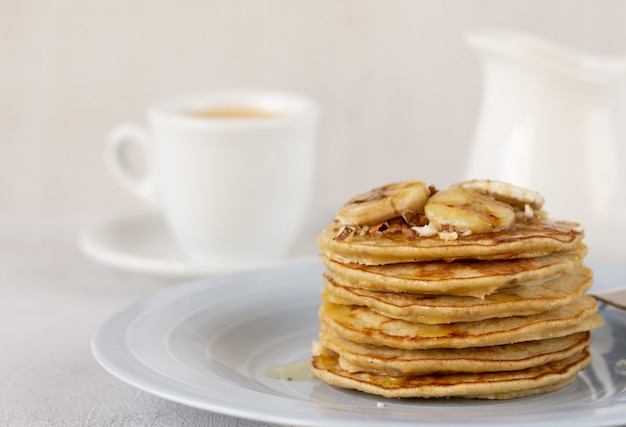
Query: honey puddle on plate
295,371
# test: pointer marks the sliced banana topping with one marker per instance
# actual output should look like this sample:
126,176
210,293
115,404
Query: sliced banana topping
383,203
413,208
505,192
468,211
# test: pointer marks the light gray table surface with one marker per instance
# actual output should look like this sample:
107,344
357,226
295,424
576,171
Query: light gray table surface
52,299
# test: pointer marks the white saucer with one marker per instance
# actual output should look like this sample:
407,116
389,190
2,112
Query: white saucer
141,243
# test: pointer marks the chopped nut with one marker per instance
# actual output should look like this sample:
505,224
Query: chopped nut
345,233
422,220
426,230
465,233
378,228
409,217
395,226
528,211
448,235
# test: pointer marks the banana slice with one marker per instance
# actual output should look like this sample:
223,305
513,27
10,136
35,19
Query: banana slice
383,203
467,210
505,192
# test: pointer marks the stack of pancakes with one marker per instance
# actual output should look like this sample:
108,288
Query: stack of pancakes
421,299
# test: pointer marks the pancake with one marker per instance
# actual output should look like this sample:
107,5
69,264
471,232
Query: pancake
469,278
521,300
493,385
362,325
354,357
523,240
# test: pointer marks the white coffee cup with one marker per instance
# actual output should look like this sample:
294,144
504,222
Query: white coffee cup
231,171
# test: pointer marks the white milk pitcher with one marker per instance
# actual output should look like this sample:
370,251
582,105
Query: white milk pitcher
554,119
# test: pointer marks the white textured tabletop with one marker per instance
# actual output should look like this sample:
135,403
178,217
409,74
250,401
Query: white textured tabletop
52,298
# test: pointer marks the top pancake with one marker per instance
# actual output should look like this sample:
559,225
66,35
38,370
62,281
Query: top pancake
523,240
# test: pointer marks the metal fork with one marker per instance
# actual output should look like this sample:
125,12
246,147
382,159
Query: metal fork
615,297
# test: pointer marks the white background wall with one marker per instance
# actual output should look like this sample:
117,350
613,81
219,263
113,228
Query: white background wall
398,86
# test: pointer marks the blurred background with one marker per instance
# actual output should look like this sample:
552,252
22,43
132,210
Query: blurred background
399,87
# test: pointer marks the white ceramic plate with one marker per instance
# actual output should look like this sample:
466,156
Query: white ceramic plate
140,242
209,344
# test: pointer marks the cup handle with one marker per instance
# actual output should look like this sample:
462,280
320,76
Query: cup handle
116,158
